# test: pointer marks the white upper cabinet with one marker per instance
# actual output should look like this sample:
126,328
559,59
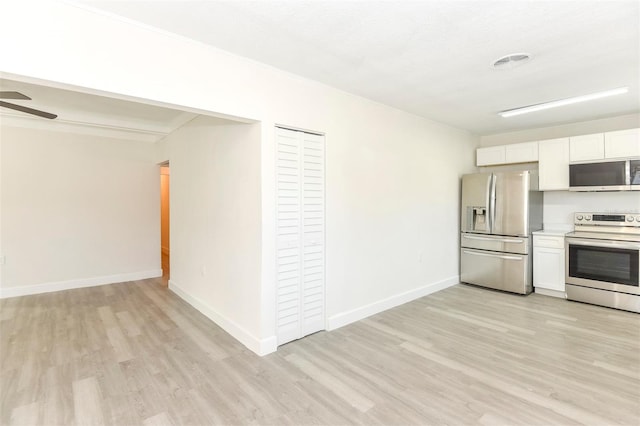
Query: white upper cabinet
622,144
586,147
506,154
554,155
522,152
601,146
490,155
553,166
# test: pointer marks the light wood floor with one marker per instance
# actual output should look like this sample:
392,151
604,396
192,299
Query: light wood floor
134,353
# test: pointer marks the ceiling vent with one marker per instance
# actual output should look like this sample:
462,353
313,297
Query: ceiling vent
511,61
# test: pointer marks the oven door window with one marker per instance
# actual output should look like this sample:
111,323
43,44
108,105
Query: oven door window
612,265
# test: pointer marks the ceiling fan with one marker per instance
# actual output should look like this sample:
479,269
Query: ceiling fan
20,96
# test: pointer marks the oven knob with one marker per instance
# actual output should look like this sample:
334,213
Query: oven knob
579,217
637,218
588,217
629,218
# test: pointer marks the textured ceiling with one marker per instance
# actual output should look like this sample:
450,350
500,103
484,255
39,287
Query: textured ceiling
431,58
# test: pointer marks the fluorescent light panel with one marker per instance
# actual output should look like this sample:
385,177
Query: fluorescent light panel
562,102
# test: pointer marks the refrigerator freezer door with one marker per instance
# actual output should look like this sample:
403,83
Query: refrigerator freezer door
476,189
519,245
510,202
501,271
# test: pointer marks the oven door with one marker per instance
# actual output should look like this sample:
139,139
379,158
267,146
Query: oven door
603,264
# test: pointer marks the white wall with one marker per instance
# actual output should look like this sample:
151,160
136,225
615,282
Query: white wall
392,211
559,206
76,210
215,222
392,178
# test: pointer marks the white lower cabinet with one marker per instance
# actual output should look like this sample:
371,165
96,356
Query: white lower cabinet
548,264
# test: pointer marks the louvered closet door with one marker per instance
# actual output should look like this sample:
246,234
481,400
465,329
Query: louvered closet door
300,233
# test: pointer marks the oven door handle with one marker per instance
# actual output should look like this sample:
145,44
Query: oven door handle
603,243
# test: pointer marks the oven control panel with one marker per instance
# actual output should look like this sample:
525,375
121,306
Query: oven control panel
608,219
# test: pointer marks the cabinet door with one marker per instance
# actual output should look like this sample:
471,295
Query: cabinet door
548,268
521,152
622,144
553,166
490,155
586,147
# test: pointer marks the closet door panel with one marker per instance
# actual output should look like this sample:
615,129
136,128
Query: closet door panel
288,233
313,224
300,232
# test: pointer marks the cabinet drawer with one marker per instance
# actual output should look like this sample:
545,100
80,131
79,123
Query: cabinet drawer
548,241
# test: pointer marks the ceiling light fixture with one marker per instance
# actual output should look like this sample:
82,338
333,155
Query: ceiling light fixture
563,102
511,61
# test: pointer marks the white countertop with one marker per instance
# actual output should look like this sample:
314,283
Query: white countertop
552,232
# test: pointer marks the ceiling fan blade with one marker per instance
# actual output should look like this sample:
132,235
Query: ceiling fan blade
14,95
28,110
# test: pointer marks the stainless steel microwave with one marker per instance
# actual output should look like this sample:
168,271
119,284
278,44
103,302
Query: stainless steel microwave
617,175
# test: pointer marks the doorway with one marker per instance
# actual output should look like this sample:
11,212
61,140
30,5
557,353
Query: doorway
165,245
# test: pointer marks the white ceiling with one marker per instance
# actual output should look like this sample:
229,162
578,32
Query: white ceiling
130,119
431,58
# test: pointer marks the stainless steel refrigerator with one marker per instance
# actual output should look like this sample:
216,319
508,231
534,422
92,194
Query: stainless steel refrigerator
499,212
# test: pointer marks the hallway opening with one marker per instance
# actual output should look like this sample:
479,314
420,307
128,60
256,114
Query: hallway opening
164,222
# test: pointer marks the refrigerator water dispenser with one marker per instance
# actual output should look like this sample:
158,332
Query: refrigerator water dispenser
477,217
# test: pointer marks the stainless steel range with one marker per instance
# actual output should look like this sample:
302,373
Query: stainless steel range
602,260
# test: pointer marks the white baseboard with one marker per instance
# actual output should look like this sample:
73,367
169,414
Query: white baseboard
259,346
79,283
552,293
340,320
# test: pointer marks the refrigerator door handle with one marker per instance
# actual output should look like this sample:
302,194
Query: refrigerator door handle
500,240
500,256
492,204
488,203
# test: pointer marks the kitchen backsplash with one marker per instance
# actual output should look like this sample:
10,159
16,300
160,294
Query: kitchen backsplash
559,206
